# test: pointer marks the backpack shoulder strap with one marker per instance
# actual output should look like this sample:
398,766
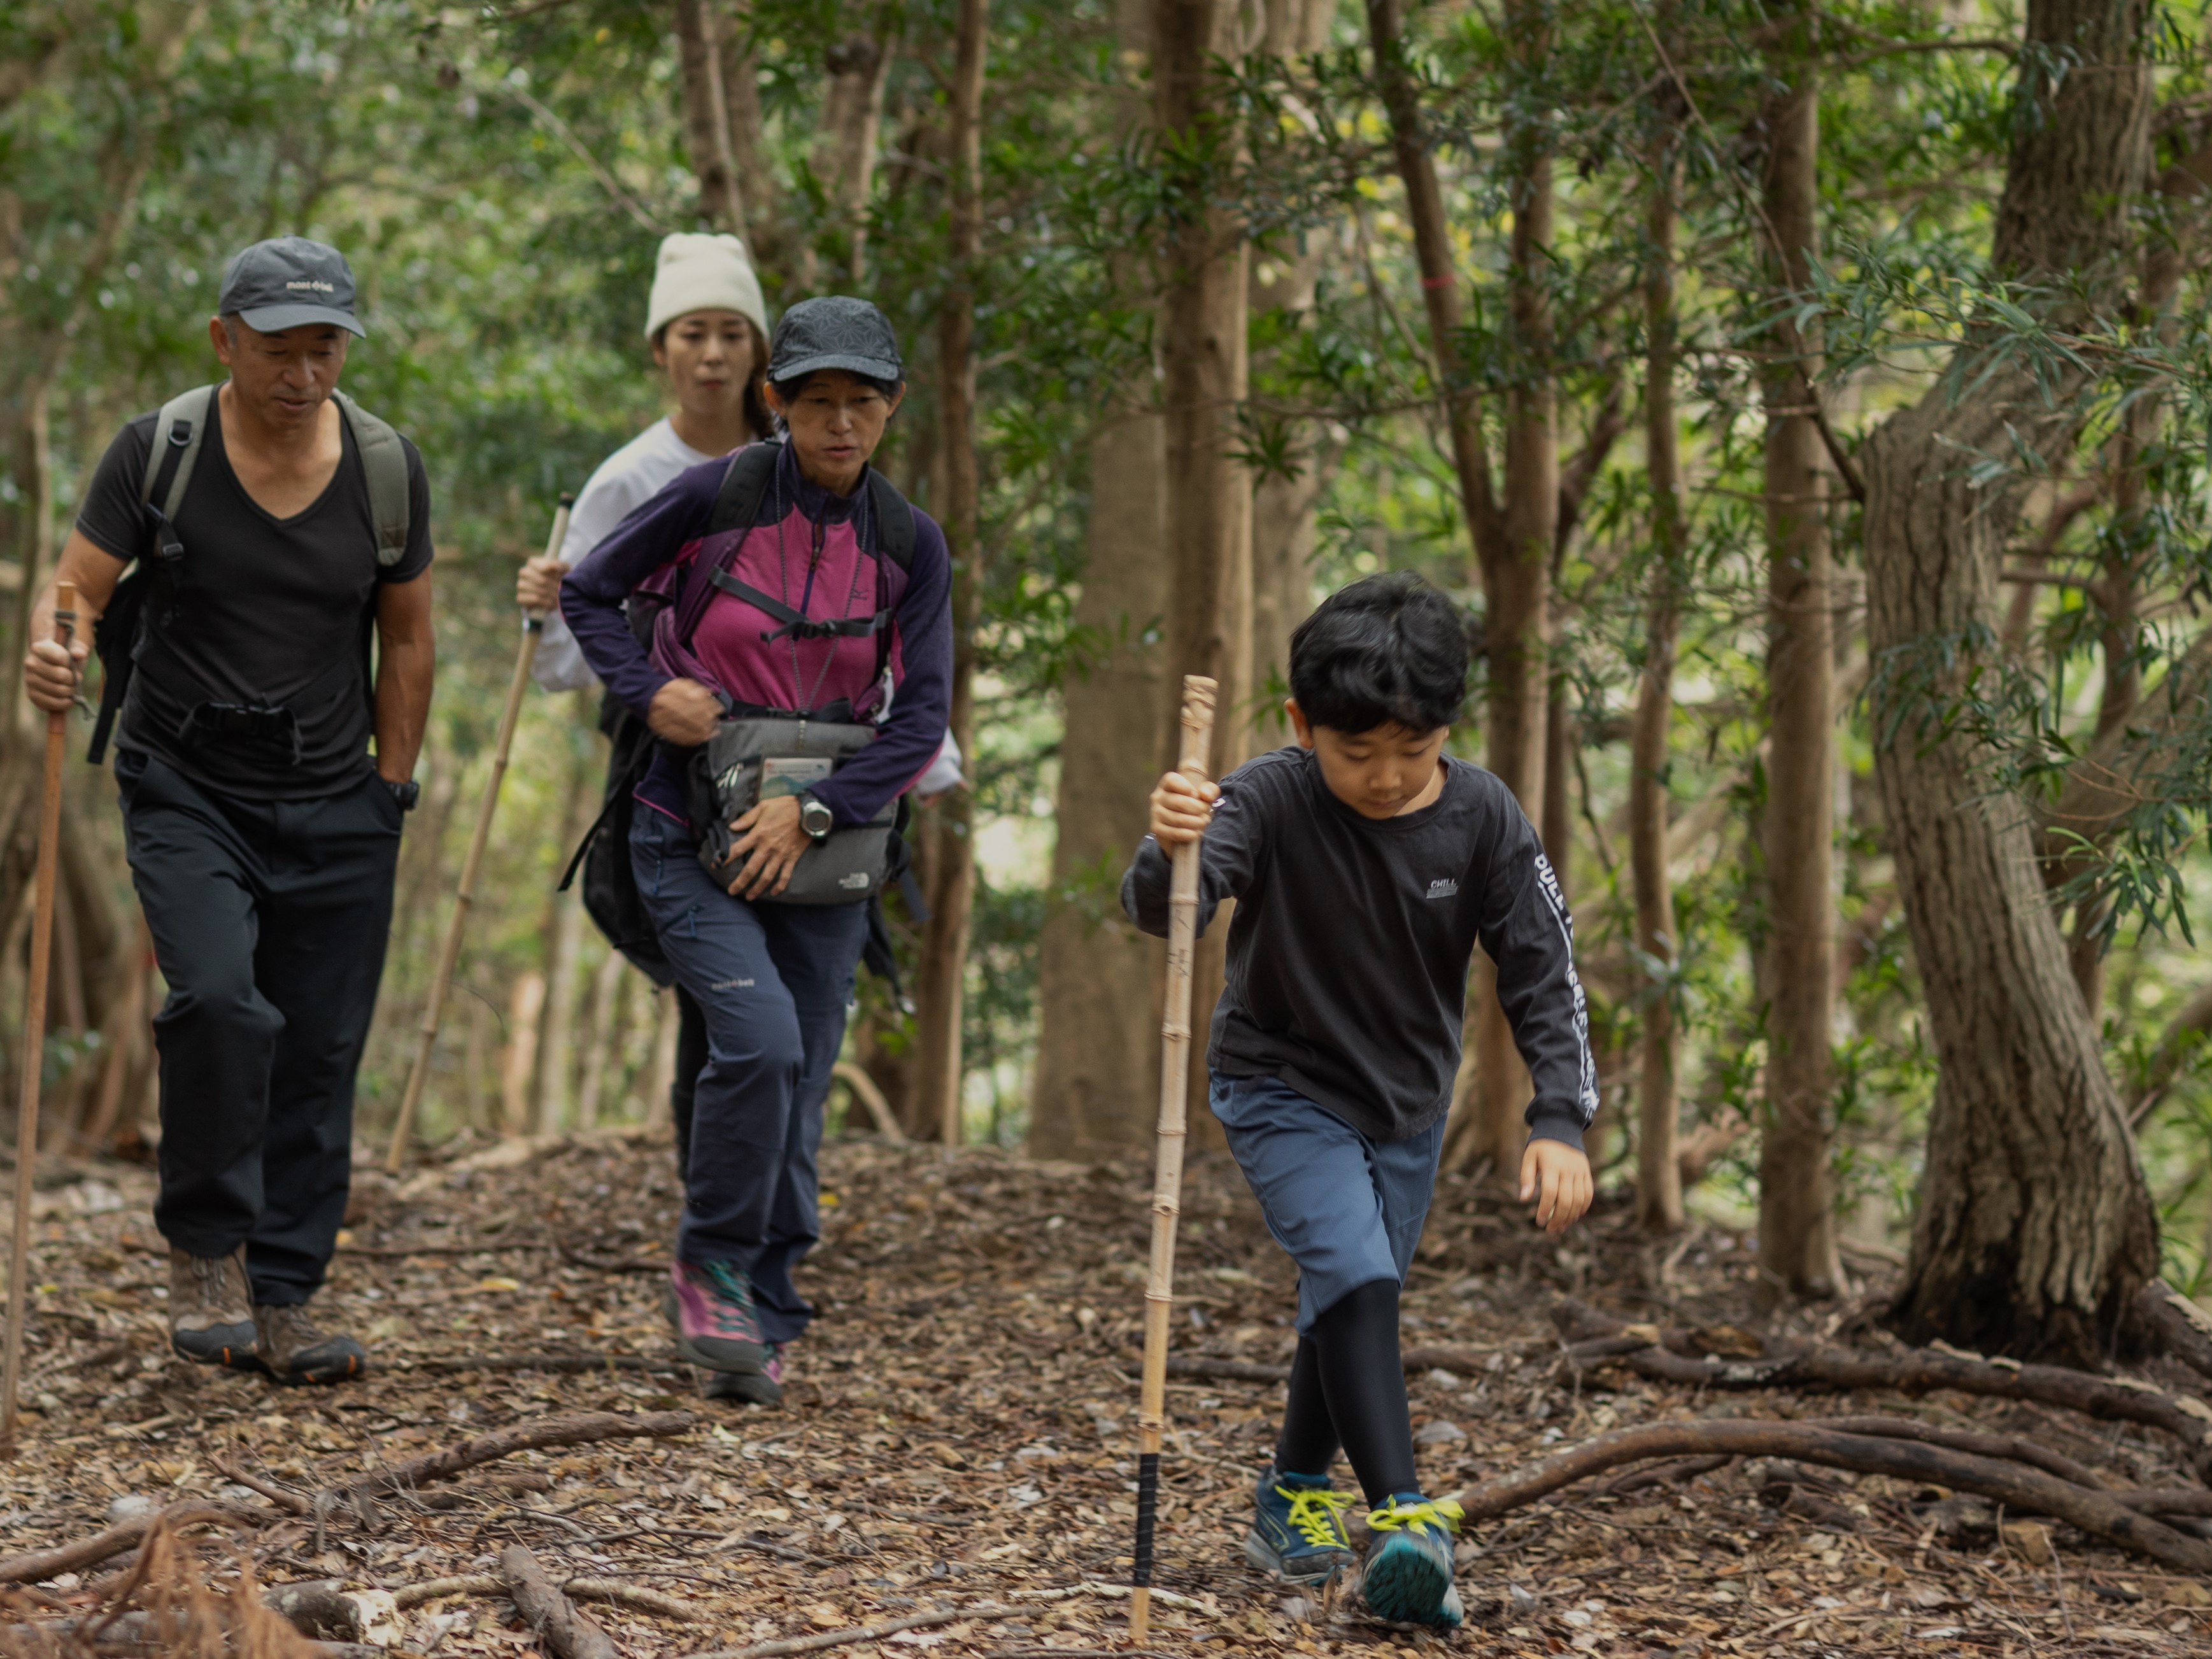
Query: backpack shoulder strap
178,431
745,482
384,462
894,519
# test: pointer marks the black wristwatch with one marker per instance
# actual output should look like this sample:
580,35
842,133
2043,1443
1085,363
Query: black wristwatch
405,794
814,817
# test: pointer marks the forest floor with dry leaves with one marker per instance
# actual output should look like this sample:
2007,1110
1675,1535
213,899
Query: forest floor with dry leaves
959,1432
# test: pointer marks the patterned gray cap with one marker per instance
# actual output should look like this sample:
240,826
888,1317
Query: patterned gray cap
835,332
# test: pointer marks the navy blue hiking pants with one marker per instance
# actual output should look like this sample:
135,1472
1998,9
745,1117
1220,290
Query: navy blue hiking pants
773,982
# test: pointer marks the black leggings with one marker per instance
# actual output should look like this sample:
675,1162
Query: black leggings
1347,1388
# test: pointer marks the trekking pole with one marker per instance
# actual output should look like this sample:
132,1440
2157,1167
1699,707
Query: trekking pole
35,1036
1167,1175
449,955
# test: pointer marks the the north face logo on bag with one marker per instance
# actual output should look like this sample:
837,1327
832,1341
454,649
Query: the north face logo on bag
855,882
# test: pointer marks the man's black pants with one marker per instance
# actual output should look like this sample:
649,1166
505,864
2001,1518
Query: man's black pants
269,919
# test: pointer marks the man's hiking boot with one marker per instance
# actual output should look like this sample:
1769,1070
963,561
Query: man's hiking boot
710,1306
211,1309
762,1388
297,1353
1408,1576
1297,1528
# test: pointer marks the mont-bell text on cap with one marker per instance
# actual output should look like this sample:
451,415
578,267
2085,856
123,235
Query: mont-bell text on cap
289,282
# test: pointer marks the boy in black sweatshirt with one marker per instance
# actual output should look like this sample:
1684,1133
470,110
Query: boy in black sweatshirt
1366,864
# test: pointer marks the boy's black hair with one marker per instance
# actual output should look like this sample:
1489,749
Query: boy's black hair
1388,649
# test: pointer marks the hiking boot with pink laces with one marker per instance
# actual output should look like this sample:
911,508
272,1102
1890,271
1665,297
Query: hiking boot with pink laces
710,1305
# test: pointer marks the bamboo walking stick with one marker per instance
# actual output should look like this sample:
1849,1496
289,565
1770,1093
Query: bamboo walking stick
35,1036
449,955
1167,1176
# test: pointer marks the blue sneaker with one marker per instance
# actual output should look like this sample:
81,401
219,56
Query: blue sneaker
1297,1528
1408,1577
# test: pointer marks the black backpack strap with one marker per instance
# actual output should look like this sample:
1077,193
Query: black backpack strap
745,482
894,519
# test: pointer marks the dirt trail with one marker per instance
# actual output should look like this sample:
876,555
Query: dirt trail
959,1434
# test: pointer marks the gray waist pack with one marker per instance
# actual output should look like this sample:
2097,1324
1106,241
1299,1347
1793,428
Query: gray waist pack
749,755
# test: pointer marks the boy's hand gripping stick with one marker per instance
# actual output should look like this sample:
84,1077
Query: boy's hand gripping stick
34,1035
1167,1180
449,957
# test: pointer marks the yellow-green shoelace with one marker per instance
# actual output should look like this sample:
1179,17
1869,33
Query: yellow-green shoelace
1313,1513
1441,1512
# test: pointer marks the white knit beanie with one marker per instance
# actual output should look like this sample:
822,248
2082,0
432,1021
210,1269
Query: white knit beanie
703,273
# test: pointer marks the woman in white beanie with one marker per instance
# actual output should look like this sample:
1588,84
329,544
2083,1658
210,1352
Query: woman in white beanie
709,333
708,329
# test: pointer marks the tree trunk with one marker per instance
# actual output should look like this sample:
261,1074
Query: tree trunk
2035,1229
1796,1219
1658,1169
845,151
524,1005
952,879
700,27
563,934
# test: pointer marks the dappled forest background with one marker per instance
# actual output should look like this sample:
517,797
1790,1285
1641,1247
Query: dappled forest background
1595,314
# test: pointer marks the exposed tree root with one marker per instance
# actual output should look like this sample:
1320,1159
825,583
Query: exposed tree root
552,1616
1918,1370
2181,1325
2024,1490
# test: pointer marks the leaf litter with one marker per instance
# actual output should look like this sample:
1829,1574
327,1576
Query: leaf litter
958,1438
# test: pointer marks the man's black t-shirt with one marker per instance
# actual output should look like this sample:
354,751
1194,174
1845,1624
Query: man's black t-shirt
269,608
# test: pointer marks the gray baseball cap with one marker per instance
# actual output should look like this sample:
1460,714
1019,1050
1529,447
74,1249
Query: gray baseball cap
835,331
288,282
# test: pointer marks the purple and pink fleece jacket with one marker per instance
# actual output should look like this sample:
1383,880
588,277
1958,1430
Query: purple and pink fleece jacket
817,553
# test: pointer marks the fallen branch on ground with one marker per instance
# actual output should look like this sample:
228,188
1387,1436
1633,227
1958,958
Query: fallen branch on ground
1917,1371
1165,1598
577,1590
282,1496
1663,1475
2012,1446
1244,1370
2026,1491
839,1639
668,1364
578,1431
38,1564
552,1616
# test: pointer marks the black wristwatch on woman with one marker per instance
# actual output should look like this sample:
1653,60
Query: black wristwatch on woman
815,817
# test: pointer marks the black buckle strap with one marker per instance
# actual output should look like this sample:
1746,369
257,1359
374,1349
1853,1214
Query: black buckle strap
797,624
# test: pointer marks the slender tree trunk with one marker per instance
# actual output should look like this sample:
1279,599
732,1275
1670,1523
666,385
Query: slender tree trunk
952,879
1658,1168
700,27
845,151
2035,1229
1796,1217
1099,1025
600,1036
563,934
524,1005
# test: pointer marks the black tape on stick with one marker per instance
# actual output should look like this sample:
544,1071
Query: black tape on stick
1148,1491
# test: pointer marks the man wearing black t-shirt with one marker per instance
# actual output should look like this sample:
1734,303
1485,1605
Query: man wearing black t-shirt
263,834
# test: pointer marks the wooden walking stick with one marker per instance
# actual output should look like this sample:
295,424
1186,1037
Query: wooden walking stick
1167,1175
35,1036
449,956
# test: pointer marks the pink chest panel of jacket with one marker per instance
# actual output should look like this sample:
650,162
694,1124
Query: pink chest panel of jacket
820,571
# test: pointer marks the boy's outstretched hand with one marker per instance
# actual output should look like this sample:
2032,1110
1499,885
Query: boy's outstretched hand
1556,1176
1181,808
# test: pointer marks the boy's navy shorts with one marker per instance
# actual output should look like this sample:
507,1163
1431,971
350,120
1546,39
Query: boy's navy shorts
1348,1209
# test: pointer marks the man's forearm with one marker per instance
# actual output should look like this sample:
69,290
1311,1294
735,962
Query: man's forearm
403,672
